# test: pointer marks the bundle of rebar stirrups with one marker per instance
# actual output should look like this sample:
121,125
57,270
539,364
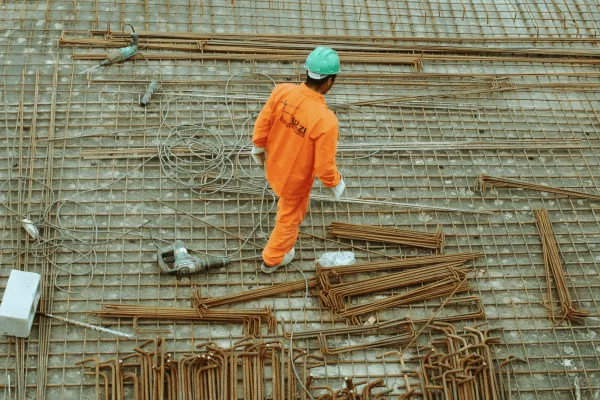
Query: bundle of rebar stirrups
384,234
460,367
251,370
483,182
252,320
555,270
425,278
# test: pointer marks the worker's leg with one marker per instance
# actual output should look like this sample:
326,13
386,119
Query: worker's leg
290,214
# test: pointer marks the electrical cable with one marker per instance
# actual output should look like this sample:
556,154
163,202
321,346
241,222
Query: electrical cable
212,168
57,235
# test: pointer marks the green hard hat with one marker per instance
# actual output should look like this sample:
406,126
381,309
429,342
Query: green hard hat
322,62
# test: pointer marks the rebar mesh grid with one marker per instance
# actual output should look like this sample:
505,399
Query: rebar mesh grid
46,105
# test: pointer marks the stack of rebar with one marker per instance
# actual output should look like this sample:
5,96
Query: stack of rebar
252,320
484,182
271,291
424,280
389,235
390,333
460,367
251,370
359,49
555,271
434,290
329,276
337,297
189,48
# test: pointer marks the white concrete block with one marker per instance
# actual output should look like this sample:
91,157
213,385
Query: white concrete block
19,303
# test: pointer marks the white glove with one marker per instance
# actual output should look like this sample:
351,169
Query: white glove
337,190
259,155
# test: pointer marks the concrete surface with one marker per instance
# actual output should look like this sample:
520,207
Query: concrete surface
100,252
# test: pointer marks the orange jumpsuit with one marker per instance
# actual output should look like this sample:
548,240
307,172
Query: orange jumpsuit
299,134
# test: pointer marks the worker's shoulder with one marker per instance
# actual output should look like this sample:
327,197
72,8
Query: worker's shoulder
324,120
330,114
327,115
284,88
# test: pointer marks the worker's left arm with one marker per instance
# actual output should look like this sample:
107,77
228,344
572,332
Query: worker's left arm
325,151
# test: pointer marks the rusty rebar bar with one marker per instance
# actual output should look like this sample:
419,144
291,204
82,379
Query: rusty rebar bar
251,319
403,237
555,271
484,182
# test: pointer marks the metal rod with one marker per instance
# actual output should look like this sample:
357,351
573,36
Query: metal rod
90,326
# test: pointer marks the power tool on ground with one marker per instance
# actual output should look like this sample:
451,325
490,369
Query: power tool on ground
175,259
151,87
121,54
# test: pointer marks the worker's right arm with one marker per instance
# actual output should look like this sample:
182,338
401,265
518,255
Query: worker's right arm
265,120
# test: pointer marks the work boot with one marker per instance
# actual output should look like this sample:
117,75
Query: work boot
289,256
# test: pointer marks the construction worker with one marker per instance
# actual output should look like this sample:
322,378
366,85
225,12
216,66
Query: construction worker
295,139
